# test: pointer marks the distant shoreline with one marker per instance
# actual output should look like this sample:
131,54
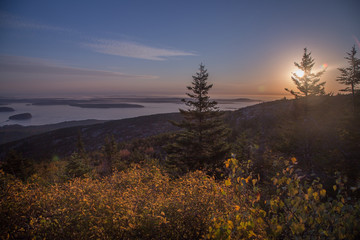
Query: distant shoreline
110,102
94,105
50,111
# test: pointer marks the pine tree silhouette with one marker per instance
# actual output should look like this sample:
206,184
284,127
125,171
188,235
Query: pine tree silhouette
350,75
309,84
202,143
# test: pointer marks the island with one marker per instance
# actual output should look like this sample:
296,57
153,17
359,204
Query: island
106,105
21,116
6,109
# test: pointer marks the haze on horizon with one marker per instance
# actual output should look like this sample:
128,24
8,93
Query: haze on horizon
88,48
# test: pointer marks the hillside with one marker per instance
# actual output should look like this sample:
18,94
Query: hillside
62,142
279,125
324,136
10,133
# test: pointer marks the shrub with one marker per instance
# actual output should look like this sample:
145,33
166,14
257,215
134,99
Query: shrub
140,203
295,209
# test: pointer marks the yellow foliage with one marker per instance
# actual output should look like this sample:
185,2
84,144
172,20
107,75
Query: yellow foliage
144,203
292,210
322,192
278,229
227,182
125,205
316,195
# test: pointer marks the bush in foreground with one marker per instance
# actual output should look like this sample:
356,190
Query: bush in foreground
141,203
292,209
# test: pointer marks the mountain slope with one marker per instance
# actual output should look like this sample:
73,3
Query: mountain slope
63,141
10,133
323,134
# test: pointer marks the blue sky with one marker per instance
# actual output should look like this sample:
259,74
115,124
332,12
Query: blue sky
92,48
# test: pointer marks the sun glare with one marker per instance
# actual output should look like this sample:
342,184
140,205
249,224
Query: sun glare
299,73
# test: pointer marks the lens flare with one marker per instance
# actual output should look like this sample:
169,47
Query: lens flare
324,66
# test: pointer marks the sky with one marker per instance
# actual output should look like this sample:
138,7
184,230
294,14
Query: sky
152,48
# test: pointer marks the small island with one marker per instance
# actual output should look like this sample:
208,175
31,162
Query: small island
106,105
6,109
21,116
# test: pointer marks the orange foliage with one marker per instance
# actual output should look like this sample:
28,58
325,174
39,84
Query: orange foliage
140,203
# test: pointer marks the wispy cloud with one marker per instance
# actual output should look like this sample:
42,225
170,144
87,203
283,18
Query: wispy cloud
26,65
9,20
134,50
105,46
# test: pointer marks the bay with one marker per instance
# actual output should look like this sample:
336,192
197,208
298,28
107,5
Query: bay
49,114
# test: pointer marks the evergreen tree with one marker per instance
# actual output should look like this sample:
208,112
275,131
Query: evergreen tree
350,75
79,163
110,149
308,84
76,166
203,140
80,146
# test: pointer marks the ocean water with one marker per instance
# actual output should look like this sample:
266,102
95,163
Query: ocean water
60,113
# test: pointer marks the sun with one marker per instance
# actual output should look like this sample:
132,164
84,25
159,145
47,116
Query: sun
299,73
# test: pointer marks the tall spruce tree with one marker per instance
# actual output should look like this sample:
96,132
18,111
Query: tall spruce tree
202,143
350,75
309,83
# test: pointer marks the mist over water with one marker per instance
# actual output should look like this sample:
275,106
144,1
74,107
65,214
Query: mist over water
50,114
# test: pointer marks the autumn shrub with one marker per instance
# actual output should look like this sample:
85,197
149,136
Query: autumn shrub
194,200
296,209
140,203
143,202
245,220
